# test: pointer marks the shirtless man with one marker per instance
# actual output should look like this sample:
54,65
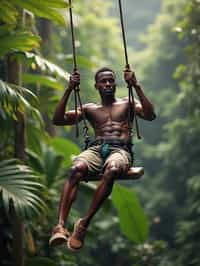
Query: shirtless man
109,154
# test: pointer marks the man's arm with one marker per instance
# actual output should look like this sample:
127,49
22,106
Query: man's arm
61,117
144,108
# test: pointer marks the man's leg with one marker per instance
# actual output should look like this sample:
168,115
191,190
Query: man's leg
78,172
112,171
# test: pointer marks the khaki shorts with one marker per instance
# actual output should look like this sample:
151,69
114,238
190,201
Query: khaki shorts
92,158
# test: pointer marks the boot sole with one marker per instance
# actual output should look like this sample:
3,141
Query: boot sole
57,239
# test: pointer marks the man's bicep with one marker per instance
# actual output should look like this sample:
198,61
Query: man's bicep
150,115
138,108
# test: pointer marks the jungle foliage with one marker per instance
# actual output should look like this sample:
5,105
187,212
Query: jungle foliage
35,62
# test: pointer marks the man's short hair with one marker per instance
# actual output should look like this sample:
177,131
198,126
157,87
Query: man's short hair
103,69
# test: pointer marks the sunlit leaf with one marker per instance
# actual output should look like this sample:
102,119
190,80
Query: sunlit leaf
133,221
42,80
18,41
45,65
13,99
8,12
44,9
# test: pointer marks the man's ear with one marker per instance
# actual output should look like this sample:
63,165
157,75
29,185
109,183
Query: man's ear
95,85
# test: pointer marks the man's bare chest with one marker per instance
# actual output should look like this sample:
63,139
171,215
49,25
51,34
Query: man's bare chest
116,113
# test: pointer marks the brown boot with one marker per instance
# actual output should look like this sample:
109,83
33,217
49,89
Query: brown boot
59,235
76,240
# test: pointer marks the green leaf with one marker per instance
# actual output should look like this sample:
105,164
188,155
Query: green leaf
48,164
51,164
133,221
18,41
35,135
5,29
46,65
65,147
44,9
13,98
8,162
42,80
20,188
8,12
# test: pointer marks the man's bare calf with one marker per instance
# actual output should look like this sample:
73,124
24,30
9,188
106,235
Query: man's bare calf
111,172
68,196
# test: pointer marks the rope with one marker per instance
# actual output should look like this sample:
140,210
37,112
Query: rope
77,98
123,35
73,36
130,88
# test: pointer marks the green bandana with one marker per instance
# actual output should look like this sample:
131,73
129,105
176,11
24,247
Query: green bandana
105,150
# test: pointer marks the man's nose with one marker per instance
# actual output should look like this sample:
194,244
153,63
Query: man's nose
107,83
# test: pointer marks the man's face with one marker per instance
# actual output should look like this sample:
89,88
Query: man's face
106,83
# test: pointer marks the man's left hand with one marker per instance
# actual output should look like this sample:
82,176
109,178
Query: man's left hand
130,78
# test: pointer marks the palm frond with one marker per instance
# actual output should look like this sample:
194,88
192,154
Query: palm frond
18,41
45,9
45,65
20,188
8,12
13,99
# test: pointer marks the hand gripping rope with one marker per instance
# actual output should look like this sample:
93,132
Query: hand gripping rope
77,98
130,88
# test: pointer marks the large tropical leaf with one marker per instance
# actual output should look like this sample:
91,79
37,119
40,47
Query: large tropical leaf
46,9
133,221
5,29
18,41
47,81
35,135
20,188
48,164
13,99
8,12
45,65
67,148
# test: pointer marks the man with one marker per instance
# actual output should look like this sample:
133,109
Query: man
109,154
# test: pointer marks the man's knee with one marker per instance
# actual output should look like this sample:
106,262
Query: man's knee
112,171
78,171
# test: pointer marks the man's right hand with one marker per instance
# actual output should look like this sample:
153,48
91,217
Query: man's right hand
74,80
130,78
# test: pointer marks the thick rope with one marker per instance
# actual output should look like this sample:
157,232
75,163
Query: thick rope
77,98
130,88
73,36
123,35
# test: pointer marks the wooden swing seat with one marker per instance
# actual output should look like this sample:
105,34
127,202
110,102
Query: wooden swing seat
133,173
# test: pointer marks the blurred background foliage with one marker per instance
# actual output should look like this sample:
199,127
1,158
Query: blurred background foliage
35,62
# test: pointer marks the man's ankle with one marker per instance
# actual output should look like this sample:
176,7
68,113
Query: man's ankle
61,224
84,222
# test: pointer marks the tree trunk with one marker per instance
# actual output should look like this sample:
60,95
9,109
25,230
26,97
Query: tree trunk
14,72
45,30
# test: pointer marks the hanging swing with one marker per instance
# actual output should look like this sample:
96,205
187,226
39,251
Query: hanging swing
133,173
